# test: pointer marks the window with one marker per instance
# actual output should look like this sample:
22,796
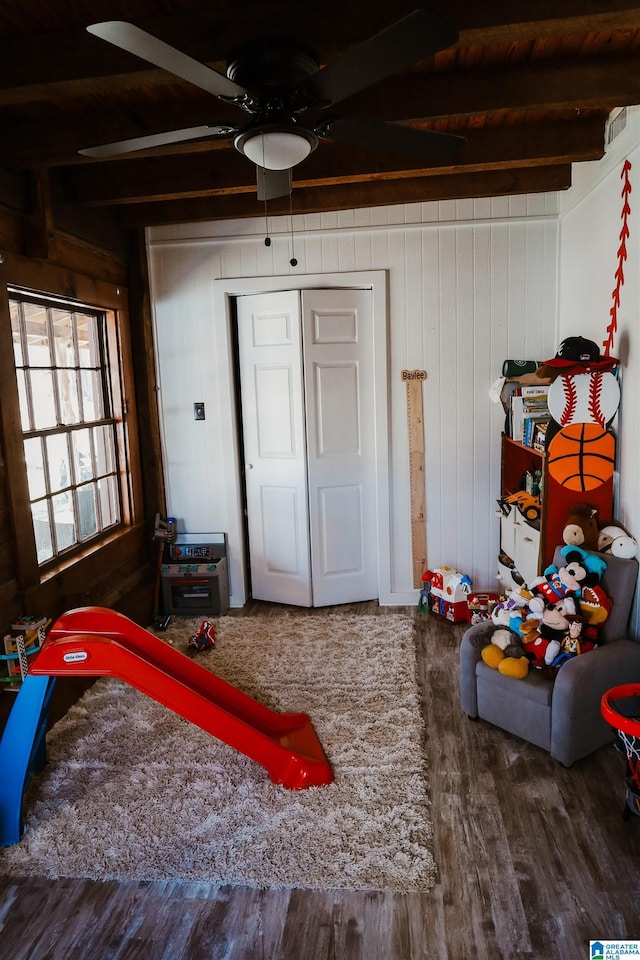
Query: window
68,423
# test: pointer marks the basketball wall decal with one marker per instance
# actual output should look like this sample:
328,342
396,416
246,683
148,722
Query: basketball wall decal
581,456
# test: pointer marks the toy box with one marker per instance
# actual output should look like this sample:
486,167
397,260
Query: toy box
448,591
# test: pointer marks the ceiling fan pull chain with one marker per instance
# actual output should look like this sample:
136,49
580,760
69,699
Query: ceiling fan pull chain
267,239
293,261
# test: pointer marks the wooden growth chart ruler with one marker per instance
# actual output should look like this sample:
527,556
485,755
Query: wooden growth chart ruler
413,380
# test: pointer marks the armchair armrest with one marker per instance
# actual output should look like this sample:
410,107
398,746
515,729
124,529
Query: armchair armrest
469,657
582,681
577,725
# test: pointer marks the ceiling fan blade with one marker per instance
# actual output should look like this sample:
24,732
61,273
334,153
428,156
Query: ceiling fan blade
144,45
418,35
429,145
273,183
155,140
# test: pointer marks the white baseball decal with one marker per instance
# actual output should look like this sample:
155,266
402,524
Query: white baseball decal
584,398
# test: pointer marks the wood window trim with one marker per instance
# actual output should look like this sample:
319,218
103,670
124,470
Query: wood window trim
53,279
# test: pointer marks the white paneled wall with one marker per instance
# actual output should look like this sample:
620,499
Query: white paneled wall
469,284
590,237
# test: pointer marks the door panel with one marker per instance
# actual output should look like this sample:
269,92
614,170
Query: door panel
337,409
341,549
309,445
281,531
338,365
275,394
269,342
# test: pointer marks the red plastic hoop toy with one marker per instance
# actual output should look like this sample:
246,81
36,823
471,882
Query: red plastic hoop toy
629,734
614,717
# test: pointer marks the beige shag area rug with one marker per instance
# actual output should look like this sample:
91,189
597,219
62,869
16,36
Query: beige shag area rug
132,791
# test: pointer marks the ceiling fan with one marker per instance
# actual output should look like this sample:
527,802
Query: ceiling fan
275,80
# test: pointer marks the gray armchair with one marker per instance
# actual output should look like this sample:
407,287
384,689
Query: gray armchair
562,715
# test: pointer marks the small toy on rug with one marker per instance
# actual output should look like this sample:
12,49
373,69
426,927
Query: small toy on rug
204,639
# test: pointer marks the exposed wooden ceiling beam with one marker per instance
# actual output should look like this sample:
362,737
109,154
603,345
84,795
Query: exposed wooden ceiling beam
530,84
352,196
211,174
579,83
507,22
47,66
586,84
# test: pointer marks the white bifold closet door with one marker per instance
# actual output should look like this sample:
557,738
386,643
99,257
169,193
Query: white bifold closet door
308,418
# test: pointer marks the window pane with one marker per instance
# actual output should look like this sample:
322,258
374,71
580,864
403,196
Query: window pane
14,309
68,390
58,461
42,530
104,446
82,458
92,400
22,397
64,388
35,318
109,502
44,407
88,341
35,468
64,519
87,510
64,350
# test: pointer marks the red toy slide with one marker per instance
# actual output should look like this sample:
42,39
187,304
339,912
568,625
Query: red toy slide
97,642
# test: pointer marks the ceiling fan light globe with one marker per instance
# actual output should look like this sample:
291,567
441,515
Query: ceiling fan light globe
275,149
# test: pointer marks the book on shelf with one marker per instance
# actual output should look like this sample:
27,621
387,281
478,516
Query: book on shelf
528,407
540,435
532,430
516,419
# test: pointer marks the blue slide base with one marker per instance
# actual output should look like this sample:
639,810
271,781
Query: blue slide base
22,751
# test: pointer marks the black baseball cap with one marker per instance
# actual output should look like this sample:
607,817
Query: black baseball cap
582,353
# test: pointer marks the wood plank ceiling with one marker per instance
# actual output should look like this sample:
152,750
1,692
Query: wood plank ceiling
529,84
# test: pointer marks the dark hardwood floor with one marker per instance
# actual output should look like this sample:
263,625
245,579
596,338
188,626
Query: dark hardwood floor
534,860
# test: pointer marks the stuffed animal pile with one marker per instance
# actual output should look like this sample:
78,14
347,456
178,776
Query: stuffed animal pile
582,529
555,619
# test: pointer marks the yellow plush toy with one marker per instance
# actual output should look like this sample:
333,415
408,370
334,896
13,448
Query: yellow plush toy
504,652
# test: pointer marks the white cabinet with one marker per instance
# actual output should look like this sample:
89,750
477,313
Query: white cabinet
521,542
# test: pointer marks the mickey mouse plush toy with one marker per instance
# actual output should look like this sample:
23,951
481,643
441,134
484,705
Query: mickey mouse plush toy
581,570
545,631
556,602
